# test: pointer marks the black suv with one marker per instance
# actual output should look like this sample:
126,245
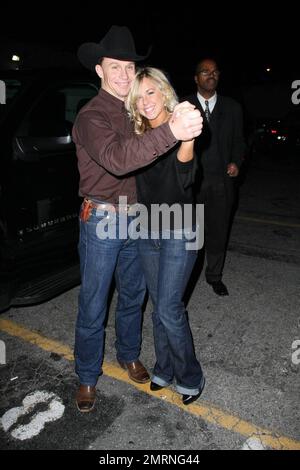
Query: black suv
39,183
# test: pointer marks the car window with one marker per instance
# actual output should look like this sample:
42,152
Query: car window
54,112
77,96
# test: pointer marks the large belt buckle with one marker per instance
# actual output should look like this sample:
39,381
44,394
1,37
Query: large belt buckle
123,208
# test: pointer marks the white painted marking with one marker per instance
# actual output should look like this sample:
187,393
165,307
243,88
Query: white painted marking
2,352
38,421
253,443
2,92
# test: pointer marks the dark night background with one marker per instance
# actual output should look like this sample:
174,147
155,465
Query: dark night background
246,39
245,340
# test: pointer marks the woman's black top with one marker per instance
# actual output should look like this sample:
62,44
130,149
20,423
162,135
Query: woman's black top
168,181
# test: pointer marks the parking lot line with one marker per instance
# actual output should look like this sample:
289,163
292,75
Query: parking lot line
14,329
266,221
208,412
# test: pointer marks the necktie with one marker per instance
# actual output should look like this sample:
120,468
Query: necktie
206,111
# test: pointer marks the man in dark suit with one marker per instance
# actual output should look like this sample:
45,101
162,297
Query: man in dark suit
220,151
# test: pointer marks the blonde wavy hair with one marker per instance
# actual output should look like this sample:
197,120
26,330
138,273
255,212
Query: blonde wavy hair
141,124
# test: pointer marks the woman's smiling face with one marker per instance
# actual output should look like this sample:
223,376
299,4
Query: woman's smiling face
150,102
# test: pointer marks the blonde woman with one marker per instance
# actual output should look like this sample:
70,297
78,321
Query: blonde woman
166,262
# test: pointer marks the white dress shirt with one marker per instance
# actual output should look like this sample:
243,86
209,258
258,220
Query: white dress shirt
211,101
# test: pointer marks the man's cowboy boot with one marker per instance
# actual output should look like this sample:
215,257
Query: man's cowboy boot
85,398
136,371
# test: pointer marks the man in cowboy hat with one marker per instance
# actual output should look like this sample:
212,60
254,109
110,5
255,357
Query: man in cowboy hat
107,150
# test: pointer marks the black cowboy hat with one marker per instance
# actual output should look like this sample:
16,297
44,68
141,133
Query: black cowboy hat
118,44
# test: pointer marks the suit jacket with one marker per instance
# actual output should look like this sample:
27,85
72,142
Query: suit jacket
230,137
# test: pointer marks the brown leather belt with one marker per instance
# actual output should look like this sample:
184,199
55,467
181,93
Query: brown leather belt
88,205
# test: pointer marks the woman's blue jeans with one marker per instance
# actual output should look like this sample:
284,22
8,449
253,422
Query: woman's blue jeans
167,266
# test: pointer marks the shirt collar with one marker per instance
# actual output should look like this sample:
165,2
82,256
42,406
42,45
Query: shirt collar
119,104
211,101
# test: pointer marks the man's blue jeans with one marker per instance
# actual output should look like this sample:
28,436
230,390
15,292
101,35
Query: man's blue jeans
100,260
167,267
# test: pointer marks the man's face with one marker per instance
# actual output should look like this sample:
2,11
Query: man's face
207,77
116,76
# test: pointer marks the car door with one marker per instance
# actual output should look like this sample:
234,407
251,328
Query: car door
44,179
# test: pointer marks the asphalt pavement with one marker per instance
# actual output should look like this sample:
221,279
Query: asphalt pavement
247,344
